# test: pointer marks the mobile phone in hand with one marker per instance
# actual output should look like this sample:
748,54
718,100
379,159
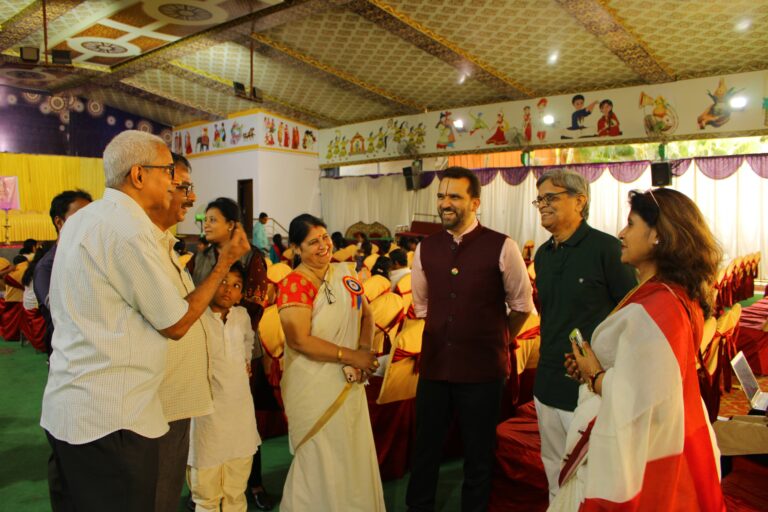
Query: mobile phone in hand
576,337
351,374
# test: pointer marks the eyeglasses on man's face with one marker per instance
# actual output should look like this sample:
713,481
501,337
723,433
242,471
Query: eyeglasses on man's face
169,168
547,199
187,187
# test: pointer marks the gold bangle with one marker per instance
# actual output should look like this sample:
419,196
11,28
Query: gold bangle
339,354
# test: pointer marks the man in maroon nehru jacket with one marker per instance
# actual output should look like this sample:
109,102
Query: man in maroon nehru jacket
471,286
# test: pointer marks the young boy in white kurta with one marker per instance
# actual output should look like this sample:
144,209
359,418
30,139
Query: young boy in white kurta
223,443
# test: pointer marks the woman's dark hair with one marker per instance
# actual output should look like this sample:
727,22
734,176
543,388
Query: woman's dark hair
404,242
227,207
366,247
28,247
299,229
382,267
687,253
19,258
27,277
180,247
339,242
278,241
384,246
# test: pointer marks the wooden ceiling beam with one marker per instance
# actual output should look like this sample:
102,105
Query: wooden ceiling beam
603,23
411,31
279,52
269,103
30,20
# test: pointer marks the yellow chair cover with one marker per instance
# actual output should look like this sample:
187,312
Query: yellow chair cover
271,332
400,380
345,254
403,289
374,249
277,272
387,312
370,261
527,352
409,254
375,286
709,344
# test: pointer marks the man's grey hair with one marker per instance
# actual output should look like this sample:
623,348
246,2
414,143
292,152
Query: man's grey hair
571,181
129,148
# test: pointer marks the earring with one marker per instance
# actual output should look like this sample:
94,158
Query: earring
655,242
230,229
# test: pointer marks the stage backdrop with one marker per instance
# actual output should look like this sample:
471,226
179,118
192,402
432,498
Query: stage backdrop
720,106
38,123
730,191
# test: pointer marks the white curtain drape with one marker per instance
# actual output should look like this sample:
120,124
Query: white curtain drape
736,207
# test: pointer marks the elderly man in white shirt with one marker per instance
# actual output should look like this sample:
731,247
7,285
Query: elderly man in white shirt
114,307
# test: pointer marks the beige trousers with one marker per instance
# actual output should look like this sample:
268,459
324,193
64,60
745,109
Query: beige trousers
220,487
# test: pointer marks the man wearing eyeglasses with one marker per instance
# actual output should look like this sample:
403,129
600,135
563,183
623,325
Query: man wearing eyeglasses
185,391
579,279
115,306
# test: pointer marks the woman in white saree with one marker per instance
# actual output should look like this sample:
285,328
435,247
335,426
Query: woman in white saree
640,437
329,330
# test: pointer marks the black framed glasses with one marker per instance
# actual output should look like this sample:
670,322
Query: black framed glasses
547,199
170,168
188,188
329,296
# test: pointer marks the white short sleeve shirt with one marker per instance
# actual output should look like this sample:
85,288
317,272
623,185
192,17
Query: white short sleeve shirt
110,294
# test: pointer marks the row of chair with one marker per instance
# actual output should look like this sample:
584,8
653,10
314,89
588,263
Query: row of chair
736,281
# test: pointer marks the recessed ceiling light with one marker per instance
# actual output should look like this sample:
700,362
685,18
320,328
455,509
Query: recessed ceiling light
458,124
548,120
738,102
552,59
743,25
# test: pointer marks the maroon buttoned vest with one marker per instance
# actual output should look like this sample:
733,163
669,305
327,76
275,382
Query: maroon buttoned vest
465,335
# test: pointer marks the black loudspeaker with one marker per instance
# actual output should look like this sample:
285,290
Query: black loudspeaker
408,174
61,57
661,174
239,88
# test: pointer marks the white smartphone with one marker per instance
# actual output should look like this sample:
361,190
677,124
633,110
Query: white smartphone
576,337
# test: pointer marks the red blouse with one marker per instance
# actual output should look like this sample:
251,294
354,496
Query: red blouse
295,290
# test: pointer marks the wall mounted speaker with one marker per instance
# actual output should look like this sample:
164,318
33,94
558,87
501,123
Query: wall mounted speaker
408,174
661,174
239,88
61,57
29,53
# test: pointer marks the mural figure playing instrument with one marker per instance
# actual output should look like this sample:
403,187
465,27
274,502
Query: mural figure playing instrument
608,124
719,113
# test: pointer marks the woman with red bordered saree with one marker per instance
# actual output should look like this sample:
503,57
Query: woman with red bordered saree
640,438
335,466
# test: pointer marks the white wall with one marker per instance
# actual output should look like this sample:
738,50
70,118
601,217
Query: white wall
285,184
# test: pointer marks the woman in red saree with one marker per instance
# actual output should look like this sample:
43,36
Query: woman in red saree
640,437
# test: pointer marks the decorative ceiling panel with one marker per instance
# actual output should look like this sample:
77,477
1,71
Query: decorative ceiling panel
517,38
285,83
349,43
139,106
700,37
111,32
189,93
9,8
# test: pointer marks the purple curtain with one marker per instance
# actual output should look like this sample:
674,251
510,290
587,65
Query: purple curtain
759,164
627,172
680,167
427,177
514,175
719,167
486,175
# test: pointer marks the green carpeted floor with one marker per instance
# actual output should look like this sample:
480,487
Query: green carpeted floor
24,449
